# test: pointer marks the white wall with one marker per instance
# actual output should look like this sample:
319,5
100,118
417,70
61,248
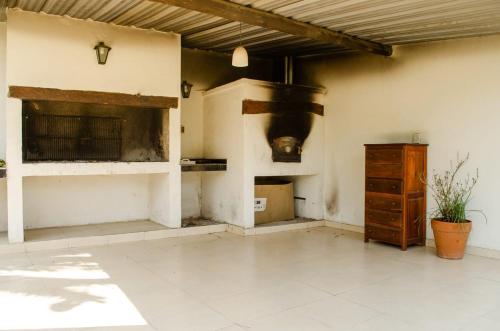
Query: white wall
3,93
192,147
3,182
52,201
52,51
3,205
192,121
57,52
191,194
222,192
449,91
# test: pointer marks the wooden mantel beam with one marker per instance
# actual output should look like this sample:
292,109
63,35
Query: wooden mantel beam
239,13
102,98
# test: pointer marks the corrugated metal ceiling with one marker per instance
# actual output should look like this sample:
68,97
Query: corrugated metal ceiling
391,22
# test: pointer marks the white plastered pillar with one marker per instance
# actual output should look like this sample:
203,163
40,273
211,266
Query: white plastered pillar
175,210
165,189
13,119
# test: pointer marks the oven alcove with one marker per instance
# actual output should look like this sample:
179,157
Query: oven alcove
286,199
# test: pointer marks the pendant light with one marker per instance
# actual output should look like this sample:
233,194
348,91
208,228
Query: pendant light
240,55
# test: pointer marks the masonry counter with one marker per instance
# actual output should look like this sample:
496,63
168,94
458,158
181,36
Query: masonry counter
193,165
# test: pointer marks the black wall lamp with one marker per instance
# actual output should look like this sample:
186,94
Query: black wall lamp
186,89
102,51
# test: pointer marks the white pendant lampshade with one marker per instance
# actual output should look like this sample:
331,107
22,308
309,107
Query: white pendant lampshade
240,57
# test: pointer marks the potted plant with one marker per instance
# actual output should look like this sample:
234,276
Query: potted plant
2,163
449,221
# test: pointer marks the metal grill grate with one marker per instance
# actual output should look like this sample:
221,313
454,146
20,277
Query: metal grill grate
71,138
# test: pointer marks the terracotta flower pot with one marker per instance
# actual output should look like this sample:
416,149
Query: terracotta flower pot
451,238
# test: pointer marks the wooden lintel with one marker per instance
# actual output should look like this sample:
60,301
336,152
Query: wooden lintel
103,98
264,107
239,13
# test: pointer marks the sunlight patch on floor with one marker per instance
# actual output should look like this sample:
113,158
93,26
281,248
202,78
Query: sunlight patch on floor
71,307
62,272
63,292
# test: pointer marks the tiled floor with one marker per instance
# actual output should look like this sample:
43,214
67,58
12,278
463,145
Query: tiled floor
315,279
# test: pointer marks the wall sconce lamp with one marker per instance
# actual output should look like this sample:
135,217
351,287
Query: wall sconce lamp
186,89
102,51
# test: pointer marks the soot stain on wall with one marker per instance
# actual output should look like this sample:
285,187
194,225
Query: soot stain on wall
331,203
288,122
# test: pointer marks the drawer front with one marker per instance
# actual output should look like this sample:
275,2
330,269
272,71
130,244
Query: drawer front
384,156
384,170
384,218
382,234
384,186
380,202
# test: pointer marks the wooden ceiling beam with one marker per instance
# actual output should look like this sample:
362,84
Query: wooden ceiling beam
239,13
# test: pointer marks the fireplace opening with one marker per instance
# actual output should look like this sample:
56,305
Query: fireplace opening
69,131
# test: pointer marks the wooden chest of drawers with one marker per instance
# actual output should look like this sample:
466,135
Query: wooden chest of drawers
395,195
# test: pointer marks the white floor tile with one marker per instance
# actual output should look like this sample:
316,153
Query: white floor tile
289,321
255,304
337,313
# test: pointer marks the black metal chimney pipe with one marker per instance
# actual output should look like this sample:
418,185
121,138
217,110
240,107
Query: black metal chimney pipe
288,69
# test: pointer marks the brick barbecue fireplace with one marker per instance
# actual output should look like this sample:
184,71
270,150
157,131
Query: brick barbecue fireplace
56,133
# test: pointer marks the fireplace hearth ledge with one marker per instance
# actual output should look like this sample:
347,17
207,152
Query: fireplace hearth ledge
41,169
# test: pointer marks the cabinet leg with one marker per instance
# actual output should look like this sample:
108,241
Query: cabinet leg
404,247
366,238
